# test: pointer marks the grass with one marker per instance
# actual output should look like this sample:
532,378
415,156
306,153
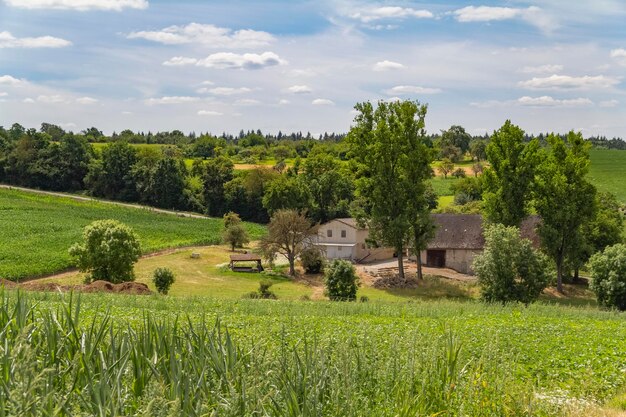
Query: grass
608,171
442,186
154,355
37,230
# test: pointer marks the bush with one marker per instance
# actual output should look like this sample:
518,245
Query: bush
312,260
608,276
263,292
163,279
459,173
108,252
341,281
510,269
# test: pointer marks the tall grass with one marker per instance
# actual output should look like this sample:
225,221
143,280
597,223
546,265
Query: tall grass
61,359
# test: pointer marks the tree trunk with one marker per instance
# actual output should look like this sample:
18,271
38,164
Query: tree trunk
559,276
292,265
577,275
401,265
419,265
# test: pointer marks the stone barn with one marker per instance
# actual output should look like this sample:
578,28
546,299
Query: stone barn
459,238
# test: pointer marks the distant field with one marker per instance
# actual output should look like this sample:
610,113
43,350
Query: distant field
37,230
608,171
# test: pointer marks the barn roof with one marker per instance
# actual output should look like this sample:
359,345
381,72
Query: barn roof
465,231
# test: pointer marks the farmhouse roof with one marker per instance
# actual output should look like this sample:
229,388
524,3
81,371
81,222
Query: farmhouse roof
465,231
349,221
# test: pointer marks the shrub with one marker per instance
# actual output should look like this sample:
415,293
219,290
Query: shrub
108,252
163,279
608,276
312,259
341,281
235,236
510,269
263,292
459,173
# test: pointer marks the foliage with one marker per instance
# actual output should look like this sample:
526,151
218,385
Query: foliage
288,233
509,179
510,269
37,229
235,236
112,176
608,276
341,281
478,149
285,193
564,199
456,136
312,259
217,172
108,251
163,278
607,170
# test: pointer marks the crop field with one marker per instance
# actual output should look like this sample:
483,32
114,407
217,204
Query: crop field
608,171
154,355
38,230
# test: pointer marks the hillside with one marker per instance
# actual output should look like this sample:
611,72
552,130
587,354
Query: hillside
608,171
37,230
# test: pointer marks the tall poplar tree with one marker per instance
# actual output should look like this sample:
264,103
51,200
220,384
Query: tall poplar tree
392,167
564,198
508,181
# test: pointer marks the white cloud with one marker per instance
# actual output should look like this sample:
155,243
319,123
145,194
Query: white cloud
283,101
7,40
619,55
547,101
81,5
211,35
180,61
225,91
543,69
387,65
485,13
323,102
171,100
3,94
86,100
8,80
230,60
609,103
209,113
555,82
412,89
532,15
389,12
300,89
207,83
28,100
50,99
247,102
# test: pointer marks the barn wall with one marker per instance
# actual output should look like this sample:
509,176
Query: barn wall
458,259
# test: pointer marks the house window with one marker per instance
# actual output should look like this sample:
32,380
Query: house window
343,233
339,248
329,233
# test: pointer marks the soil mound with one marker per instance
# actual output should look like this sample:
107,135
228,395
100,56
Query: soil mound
135,288
388,281
6,283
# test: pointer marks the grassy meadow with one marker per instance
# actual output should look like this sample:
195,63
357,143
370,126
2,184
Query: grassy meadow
608,171
154,355
37,230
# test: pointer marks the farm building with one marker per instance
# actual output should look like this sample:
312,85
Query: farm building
458,239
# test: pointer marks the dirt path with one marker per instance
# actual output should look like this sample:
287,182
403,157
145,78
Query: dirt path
116,203
366,271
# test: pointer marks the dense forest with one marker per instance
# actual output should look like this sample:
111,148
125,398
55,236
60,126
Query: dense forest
198,173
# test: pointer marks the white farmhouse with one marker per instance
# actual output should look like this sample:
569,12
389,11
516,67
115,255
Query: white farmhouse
344,239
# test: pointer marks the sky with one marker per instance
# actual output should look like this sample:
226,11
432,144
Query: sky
289,65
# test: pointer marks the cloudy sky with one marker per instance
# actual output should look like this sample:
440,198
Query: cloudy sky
549,65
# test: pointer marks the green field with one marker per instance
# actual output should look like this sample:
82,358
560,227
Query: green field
608,171
155,355
37,230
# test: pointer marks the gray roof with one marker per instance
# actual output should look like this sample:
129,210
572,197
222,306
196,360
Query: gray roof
349,221
465,231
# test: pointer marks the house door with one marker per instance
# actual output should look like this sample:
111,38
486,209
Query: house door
436,258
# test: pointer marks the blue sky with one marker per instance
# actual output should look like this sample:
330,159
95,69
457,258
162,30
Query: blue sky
217,66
